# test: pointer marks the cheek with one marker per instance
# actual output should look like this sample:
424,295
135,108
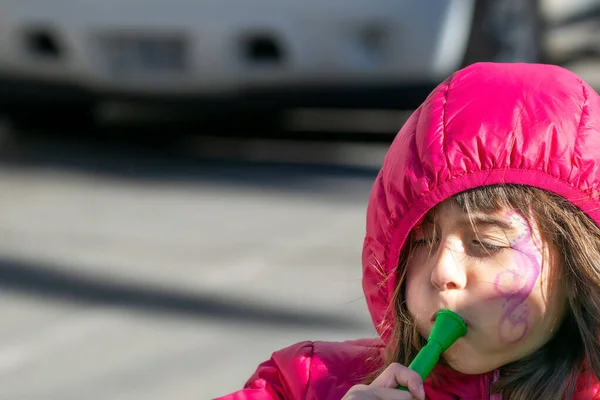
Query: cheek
410,287
514,286
414,285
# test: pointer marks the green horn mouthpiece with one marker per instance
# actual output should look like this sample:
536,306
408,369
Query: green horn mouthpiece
447,329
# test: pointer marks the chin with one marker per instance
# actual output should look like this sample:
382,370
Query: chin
468,368
465,363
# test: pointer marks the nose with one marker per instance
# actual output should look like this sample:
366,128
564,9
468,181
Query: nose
447,272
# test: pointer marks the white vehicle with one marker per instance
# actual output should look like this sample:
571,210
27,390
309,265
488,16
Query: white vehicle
248,53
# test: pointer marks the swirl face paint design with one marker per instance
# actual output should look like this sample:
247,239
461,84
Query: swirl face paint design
516,283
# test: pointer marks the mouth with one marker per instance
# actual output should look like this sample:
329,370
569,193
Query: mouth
469,326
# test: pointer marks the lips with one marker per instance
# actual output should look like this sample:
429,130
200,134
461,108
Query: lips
462,316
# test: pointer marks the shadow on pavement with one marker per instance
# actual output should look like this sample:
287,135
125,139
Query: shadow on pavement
49,282
136,158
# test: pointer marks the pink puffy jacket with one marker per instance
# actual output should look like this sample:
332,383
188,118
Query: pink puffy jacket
487,124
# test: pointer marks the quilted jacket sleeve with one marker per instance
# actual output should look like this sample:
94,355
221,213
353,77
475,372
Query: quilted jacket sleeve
284,376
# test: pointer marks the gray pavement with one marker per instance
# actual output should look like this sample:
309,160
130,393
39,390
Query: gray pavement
140,277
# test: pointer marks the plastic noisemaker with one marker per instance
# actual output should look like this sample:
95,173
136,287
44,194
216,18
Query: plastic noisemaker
447,329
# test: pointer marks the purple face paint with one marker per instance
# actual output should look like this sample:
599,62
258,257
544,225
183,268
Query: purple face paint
516,283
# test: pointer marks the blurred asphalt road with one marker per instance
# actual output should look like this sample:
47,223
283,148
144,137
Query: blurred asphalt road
140,275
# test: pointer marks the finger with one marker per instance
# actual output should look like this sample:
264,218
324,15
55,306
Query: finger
396,374
393,394
364,392
360,392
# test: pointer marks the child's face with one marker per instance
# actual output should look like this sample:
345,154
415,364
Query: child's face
498,278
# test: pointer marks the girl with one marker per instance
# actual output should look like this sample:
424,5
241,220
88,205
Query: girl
488,204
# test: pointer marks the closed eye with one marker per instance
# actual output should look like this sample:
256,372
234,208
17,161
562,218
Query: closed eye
479,248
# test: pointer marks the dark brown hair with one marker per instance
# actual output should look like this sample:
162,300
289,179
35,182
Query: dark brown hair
551,372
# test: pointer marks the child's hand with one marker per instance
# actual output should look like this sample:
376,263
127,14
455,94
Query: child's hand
384,386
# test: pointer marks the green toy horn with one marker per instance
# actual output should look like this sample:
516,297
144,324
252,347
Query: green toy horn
447,329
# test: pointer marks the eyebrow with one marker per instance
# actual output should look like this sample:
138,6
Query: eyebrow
480,220
487,221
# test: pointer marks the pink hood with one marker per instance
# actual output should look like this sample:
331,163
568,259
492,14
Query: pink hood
481,127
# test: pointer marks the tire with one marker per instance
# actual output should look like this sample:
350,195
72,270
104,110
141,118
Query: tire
506,31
